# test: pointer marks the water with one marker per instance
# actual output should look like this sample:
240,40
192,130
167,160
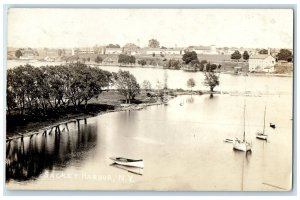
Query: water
182,146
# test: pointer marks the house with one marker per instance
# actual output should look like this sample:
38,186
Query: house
262,63
113,50
174,51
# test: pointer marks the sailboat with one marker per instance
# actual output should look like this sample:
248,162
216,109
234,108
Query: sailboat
261,134
242,144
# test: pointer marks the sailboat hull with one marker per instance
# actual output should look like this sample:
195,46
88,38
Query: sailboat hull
241,145
261,136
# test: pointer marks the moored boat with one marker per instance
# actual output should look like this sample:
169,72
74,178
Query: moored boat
261,134
242,145
128,162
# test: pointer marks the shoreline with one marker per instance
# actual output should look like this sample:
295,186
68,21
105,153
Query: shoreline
157,67
39,127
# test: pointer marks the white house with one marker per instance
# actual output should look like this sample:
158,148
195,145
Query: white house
262,63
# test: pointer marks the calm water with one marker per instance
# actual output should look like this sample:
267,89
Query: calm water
182,146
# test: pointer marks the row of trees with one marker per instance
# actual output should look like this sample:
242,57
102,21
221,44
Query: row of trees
236,55
284,54
32,90
126,59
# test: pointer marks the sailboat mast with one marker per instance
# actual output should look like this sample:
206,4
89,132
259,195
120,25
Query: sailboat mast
244,119
264,121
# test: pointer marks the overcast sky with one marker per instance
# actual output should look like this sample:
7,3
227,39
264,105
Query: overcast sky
66,28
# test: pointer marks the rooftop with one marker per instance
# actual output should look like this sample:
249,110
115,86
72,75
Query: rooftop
259,56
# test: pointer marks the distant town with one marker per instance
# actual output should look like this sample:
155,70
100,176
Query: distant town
231,59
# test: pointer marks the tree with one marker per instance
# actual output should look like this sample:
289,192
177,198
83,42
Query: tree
212,67
142,62
285,54
126,84
18,53
191,83
263,51
153,43
189,56
245,55
173,64
131,46
113,46
98,59
126,59
236,55
211,79
88,59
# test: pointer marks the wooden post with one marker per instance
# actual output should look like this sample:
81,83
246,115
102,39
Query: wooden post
50,130
67,126
85,122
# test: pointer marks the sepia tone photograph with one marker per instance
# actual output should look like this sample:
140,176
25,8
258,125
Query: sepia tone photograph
140,99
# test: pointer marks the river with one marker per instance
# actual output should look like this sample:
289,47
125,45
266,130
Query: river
181,143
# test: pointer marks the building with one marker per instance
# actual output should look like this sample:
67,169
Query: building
262,63
28,54
113,50
86,50
174,51
156,51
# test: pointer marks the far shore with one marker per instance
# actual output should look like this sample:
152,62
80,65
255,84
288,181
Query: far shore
161,67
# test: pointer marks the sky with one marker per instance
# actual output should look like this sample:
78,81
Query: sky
69,28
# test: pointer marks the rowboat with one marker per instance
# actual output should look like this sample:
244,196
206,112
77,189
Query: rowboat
133,170
128,162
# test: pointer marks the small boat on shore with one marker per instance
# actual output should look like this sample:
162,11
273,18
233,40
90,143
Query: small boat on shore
128,162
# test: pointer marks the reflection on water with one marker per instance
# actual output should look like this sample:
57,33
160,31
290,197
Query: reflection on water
182,145
27,158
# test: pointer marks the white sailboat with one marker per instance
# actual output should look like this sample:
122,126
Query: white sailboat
242,144
261,134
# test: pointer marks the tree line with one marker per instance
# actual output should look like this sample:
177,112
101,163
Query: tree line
38,90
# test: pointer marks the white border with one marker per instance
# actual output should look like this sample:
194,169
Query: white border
211,3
